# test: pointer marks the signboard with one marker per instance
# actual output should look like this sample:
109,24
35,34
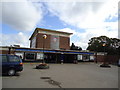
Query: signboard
79,57
91,57
39,55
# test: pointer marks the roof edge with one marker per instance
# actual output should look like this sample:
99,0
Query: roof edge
37,29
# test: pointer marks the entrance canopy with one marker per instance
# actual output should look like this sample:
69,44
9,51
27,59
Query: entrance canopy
53,51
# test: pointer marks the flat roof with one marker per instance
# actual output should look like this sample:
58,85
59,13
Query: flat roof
48,30
52,51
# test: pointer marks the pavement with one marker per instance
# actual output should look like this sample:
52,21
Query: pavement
81,75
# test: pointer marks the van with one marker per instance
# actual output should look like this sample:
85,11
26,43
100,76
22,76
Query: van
11,64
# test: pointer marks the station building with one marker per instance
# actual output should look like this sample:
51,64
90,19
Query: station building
50,45
54,40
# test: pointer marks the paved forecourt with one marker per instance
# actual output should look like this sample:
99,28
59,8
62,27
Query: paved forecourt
82,75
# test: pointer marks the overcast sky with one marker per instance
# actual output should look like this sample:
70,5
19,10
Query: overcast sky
84,18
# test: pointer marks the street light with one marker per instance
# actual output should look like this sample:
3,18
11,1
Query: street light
44,37
96,54
104,64
104,44
43,65
9,52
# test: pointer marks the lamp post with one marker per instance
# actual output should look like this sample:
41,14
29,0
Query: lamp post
104,44
104,64
44,37
9,52
43,65
96,55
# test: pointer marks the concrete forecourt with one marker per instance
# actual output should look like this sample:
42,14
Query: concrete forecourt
81,75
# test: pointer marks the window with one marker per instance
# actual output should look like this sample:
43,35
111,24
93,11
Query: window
30,55
33,42
14,59
3,58
91,57
79,57
39,55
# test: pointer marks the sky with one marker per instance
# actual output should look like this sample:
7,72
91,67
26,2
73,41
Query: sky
84,18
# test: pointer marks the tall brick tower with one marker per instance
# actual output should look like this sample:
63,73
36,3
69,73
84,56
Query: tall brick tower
55,39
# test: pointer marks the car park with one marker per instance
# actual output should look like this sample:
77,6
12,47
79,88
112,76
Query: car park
10,64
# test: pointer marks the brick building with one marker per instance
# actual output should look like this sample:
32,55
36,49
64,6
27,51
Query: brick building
55,39
53,49
56,48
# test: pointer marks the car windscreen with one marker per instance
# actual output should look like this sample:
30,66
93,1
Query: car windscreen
14,59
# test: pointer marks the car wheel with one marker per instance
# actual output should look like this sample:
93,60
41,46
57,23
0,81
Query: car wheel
11,72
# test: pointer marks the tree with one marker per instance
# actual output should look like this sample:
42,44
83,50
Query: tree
111,44
73,47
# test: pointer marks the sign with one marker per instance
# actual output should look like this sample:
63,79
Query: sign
79,57
39,55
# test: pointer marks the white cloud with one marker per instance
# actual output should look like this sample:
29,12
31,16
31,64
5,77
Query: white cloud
89,33
18,39
67,30
90,16
21,15
84,14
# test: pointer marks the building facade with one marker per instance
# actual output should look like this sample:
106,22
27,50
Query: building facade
55,39
53,49
49,55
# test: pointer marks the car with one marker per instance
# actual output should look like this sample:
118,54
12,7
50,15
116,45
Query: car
11,64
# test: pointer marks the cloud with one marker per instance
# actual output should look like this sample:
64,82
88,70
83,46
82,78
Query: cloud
93,17
69,30
21,15
83,14
18,39
89,33
82,38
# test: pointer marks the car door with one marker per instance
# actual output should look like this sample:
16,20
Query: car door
5,64
14,61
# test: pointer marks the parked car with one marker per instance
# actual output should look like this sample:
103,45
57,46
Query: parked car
11,64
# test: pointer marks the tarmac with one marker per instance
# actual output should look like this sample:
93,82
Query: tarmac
81,75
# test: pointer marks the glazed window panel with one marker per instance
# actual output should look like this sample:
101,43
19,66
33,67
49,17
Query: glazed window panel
39,55
79,57
30,56
33,42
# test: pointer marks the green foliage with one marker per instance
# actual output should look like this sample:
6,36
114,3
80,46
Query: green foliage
112,45
73,47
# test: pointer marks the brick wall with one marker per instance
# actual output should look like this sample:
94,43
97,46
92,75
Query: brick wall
108,58
112,58
39,41
64,43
